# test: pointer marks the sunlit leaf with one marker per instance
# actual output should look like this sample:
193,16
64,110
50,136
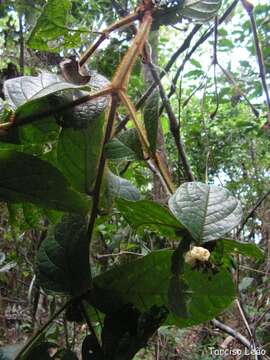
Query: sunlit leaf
51,32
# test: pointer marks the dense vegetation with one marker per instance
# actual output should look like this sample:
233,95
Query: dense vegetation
134,179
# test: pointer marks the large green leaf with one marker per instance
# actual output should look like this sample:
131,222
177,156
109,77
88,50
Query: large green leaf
116,150
63,257
130,138
201,10
145,214
21,90
121,188
145,283
208,212
170,12
32,96
24,177
151,107
233,247
78,154
50,32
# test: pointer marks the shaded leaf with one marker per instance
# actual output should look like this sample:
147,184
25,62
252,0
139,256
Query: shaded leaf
145,283
230,247
121,188
208,212
40,352
116,150
178,289
63,257
177,297
24,177
65,354
130,138
90,350
146,214
78,153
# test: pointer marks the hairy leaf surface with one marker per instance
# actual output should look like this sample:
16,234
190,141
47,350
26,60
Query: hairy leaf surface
208,212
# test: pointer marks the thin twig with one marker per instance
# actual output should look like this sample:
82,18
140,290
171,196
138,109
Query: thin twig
119,24
227,329
174,125
249,9
239,90
198,43
41,330
170,63
252,211
101,256
101,167
251,332
21,44
89,324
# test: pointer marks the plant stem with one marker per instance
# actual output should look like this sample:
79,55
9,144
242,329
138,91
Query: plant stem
101,167
174,125
249,9
40,331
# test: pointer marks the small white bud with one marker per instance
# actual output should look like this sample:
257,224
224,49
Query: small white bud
197,253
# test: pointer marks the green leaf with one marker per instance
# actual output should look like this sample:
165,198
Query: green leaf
233,247
78,153
173,11
50,30
226,43
41,352
24,177
121,188
151,117
130,138
196,63
145,214
116,150
208,212
63,258
19,91
200,10
145,282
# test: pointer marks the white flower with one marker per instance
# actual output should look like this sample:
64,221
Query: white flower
197,253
